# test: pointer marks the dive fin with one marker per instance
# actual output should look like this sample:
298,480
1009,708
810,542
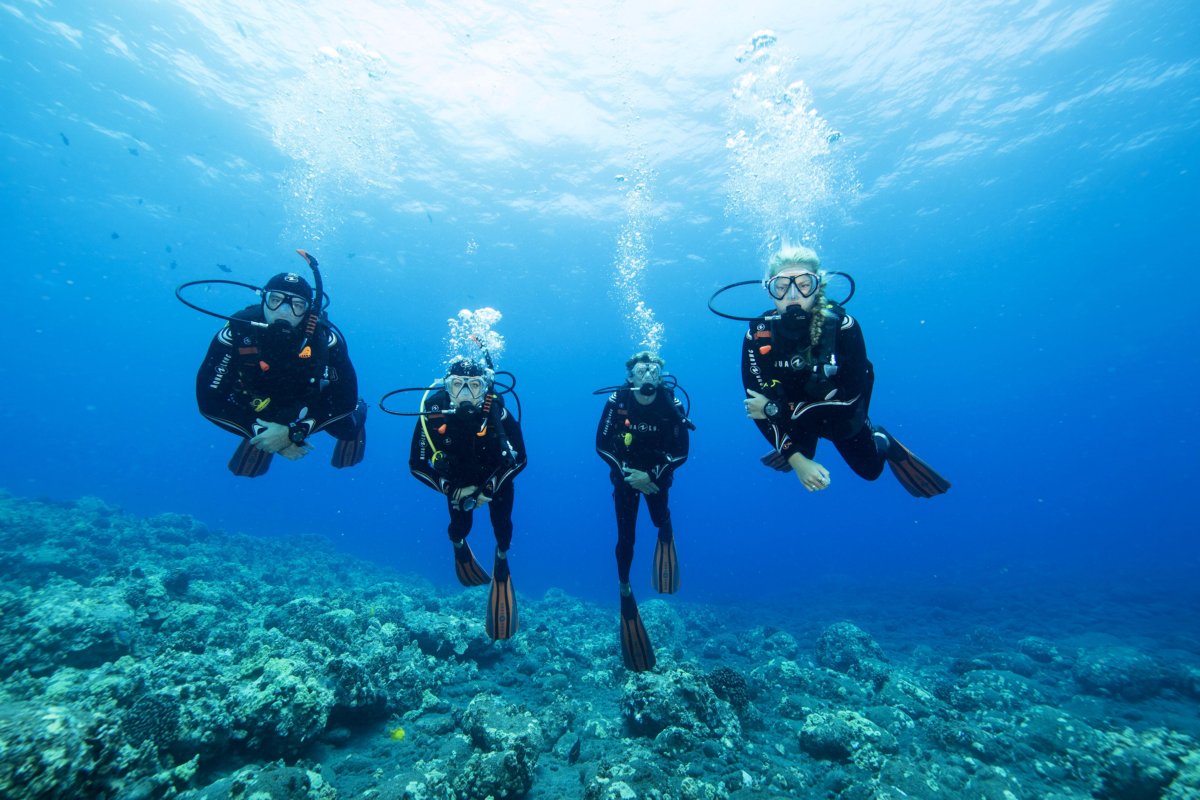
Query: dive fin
348,452
502,603
666,566
917,477
248,461
776,461
636,649
468,570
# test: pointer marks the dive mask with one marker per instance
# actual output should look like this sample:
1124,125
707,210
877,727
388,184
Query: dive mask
274,300
646,376
465,390
793,287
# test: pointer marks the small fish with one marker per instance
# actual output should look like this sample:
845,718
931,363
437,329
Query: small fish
429,217
133,151
115,235
168,248
66,141
173,265
573,755
223,268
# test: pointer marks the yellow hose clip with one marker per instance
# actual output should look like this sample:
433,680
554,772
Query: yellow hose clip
260,404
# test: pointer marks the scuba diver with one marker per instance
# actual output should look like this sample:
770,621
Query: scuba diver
278,372
468,447
643,437
807,377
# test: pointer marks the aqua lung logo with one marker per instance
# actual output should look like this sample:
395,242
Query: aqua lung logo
221,370
644,427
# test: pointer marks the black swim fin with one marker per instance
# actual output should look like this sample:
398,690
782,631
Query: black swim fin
348,452
502,603
917,477
248,461
468,570
666,566
776,461
636,649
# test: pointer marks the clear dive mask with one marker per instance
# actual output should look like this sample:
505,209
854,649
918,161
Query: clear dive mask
646,376
793,287
274,299
465,390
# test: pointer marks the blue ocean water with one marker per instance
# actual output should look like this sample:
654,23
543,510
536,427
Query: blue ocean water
1008,183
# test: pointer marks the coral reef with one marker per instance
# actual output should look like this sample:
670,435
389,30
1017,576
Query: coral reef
147,658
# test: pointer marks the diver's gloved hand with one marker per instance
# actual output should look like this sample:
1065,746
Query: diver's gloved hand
812,476
295,452
273,439
639,480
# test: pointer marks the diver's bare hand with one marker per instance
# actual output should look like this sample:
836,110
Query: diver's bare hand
640,480
812,476
273,439
755,405
295,452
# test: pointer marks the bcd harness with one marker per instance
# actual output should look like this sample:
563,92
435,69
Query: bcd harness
266,374
628,437
490,414
817,364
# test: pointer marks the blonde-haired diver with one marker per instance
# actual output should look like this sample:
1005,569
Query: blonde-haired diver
807,377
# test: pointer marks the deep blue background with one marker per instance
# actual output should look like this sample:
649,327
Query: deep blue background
1029,312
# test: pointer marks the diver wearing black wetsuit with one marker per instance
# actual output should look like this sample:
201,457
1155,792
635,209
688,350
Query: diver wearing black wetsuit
650,438
807,377
468,448
254,375
814,393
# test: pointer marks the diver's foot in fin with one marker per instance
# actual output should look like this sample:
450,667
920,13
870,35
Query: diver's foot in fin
502,602
666,566
636,649
917,477
348,452
776,461
468,570
248,461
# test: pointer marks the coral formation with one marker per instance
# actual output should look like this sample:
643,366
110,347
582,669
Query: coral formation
145,658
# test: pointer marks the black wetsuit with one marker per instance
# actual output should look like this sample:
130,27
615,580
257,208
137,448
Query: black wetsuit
652,438
812,406
490,461
247,365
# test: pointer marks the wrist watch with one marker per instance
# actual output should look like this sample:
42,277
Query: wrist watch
771,409
297,433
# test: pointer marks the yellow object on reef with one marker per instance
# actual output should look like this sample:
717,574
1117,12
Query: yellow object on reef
396,734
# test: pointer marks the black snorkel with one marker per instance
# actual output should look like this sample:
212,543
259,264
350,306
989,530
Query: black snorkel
768,315
314,308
